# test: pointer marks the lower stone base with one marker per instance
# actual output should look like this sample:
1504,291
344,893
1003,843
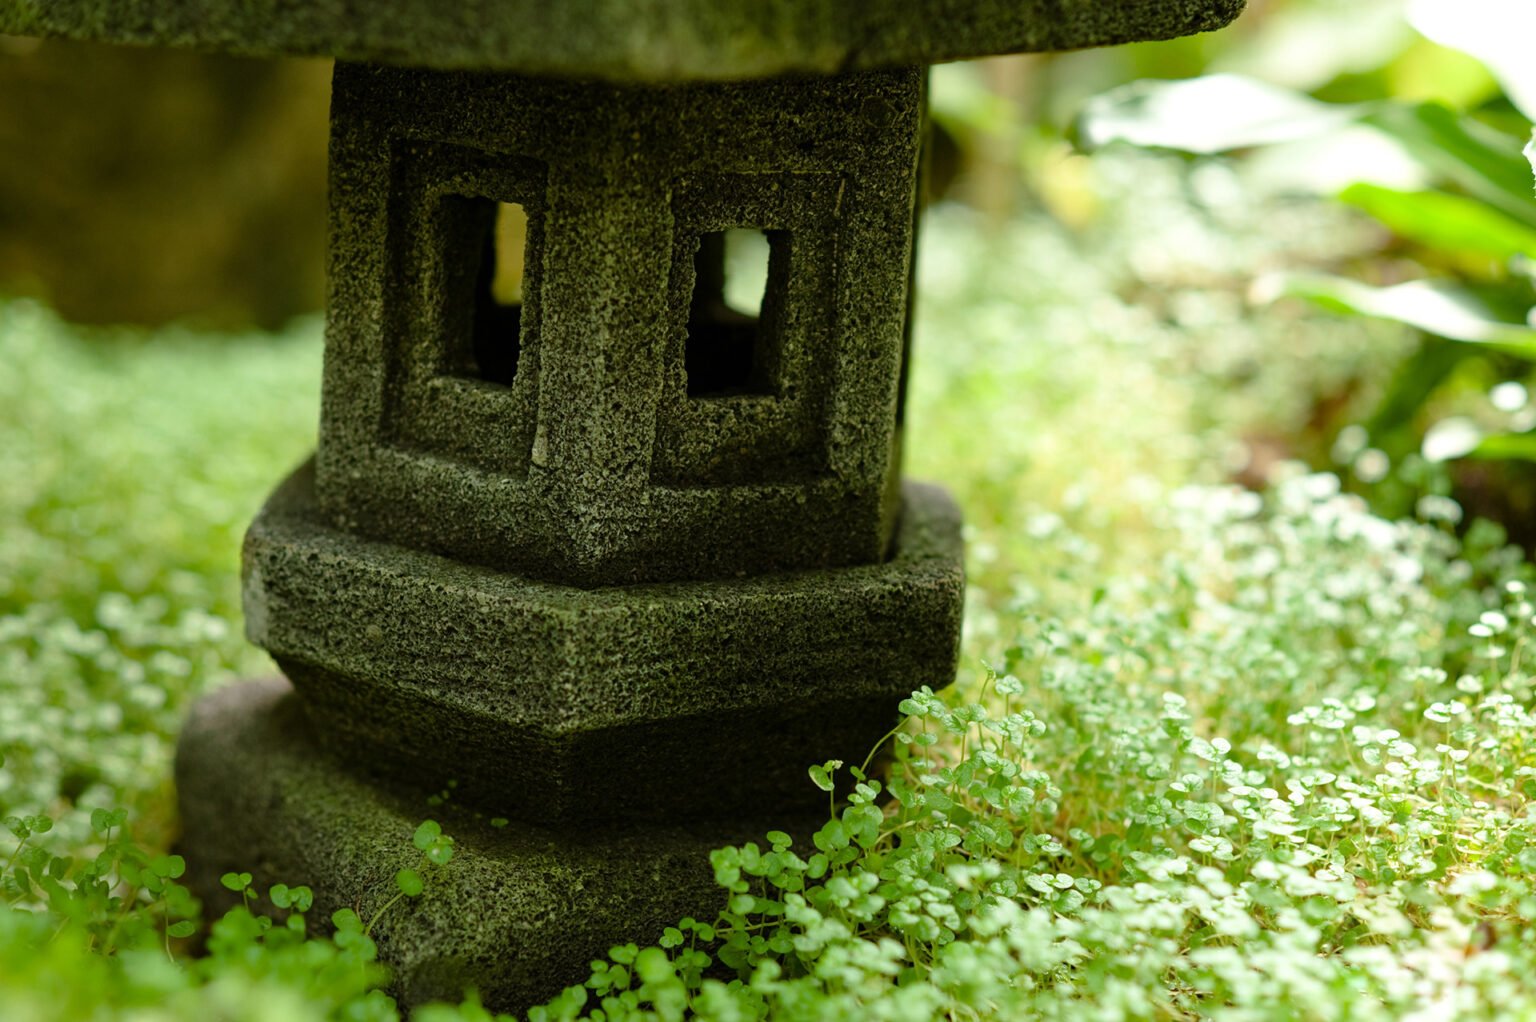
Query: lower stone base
520,911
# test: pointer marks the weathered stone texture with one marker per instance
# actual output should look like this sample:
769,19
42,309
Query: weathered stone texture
625,40
594,463
557,703
519,912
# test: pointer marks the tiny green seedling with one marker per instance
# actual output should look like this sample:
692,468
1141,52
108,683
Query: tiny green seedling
436,850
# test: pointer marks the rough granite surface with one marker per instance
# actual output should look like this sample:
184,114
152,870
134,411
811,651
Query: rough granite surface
594,463
624,40
662,700
518,913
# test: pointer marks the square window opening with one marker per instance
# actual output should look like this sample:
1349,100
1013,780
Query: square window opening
738,281
498,292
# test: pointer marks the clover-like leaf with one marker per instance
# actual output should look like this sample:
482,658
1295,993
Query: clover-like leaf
168,866
440,851
236,881
821,775
345,920
409,883
428,832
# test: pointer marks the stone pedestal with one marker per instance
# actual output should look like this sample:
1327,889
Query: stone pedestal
518,914
620,733
600,554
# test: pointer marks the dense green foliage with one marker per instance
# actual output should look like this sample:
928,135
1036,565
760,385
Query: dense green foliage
1445,175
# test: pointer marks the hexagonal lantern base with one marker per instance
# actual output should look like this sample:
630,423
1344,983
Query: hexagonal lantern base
517,914
659,701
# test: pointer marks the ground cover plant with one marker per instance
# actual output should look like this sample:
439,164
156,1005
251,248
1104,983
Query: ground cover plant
1214,751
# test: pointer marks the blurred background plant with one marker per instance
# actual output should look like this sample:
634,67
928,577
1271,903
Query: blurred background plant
140,186
1413,112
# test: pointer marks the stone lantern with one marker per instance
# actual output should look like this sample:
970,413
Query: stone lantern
592,559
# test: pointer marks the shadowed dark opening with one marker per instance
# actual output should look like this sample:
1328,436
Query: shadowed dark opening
724,352
499,295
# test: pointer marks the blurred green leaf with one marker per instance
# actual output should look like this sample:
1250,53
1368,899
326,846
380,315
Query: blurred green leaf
1481,160
1446,222
1441,309
1506,447
236,881
1211,114
959,98
1428,72
1391,424
409,882
428,832
170,866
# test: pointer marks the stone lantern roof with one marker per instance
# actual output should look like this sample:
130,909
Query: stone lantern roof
655,41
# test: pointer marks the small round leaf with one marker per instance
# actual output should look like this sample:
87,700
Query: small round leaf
428,832
168,866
